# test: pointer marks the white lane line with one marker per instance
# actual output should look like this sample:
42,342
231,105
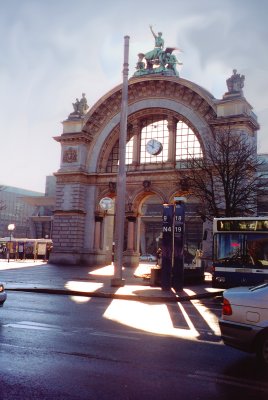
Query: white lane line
113,335
32,326
45,327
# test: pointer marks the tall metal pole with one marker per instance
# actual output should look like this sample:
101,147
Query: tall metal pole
121,177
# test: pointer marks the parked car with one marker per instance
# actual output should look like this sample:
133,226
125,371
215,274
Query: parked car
147,257
3,294
244,320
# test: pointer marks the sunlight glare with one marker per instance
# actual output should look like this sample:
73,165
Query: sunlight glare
143,270
80,299
15,264
214,290
153,318
210,318
83,286
108,270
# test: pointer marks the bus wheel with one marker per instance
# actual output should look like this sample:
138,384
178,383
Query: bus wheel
262,349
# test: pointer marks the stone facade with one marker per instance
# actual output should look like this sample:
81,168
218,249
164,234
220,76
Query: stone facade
82,232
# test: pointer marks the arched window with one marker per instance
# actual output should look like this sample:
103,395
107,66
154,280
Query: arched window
154,130
187,144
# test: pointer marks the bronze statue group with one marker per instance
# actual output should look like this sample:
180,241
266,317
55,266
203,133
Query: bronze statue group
158,60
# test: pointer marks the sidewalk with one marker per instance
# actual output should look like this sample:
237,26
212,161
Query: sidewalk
40,277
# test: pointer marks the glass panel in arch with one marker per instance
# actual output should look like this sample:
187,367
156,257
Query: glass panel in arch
187,144
129,151
113,160
158,130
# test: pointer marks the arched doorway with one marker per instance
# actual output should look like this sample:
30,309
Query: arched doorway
151,224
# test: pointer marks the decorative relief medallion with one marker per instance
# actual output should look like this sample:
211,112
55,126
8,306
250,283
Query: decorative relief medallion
146,185
70,155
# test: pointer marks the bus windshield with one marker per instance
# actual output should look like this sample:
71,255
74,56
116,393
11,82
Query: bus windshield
242,249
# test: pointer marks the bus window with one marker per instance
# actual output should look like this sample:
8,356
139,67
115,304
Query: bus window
240,251
257,250
228,247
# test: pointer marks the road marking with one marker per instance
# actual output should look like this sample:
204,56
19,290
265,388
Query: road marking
46,327
229,380
113,335
32,325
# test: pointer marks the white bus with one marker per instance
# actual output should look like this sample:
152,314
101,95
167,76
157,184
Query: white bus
240,251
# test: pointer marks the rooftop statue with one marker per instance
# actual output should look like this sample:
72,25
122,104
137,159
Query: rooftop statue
235,83
158,60
80,107
158,47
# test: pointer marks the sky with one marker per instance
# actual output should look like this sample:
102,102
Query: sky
52,51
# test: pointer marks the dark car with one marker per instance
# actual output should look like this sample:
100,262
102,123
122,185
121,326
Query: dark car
3,294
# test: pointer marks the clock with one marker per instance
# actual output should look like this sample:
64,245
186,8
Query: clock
154,147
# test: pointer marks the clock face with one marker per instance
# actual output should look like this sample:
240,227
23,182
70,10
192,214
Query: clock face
154,147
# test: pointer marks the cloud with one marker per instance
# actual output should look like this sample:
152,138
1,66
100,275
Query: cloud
52,51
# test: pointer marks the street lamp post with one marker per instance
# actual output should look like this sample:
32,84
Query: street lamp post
10,228
117,280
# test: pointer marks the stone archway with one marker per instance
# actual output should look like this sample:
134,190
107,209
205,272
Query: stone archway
88,141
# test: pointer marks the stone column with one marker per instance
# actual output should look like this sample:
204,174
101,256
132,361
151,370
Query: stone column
136,143
172,139
131,233
131,256
98,232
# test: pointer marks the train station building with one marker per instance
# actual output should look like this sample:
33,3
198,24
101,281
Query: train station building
169,118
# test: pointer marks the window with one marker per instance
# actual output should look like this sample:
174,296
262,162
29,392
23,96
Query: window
154,130
155,127
187,145
112,164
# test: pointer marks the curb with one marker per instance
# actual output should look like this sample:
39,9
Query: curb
165,299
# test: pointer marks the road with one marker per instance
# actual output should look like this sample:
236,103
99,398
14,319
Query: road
58,347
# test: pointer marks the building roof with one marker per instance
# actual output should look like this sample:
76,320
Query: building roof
45,201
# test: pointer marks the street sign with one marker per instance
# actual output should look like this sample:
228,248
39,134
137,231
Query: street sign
167,246
178,262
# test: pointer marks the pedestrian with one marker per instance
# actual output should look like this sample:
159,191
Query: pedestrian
158,256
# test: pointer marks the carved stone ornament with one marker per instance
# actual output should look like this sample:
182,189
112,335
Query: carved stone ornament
80,108
235,83
112,187
70,155
184,184
146,185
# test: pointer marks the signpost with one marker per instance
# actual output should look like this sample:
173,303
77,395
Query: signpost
178,261
172,270
167,246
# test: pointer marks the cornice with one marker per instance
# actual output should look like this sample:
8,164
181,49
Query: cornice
133,177
140,89
236,120
76,137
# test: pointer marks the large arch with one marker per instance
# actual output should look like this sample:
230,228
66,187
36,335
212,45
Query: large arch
172,95
82,232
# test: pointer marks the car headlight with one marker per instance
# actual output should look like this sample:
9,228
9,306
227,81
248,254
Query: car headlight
2,288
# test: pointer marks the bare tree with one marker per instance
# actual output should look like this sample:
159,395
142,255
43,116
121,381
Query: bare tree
227,179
